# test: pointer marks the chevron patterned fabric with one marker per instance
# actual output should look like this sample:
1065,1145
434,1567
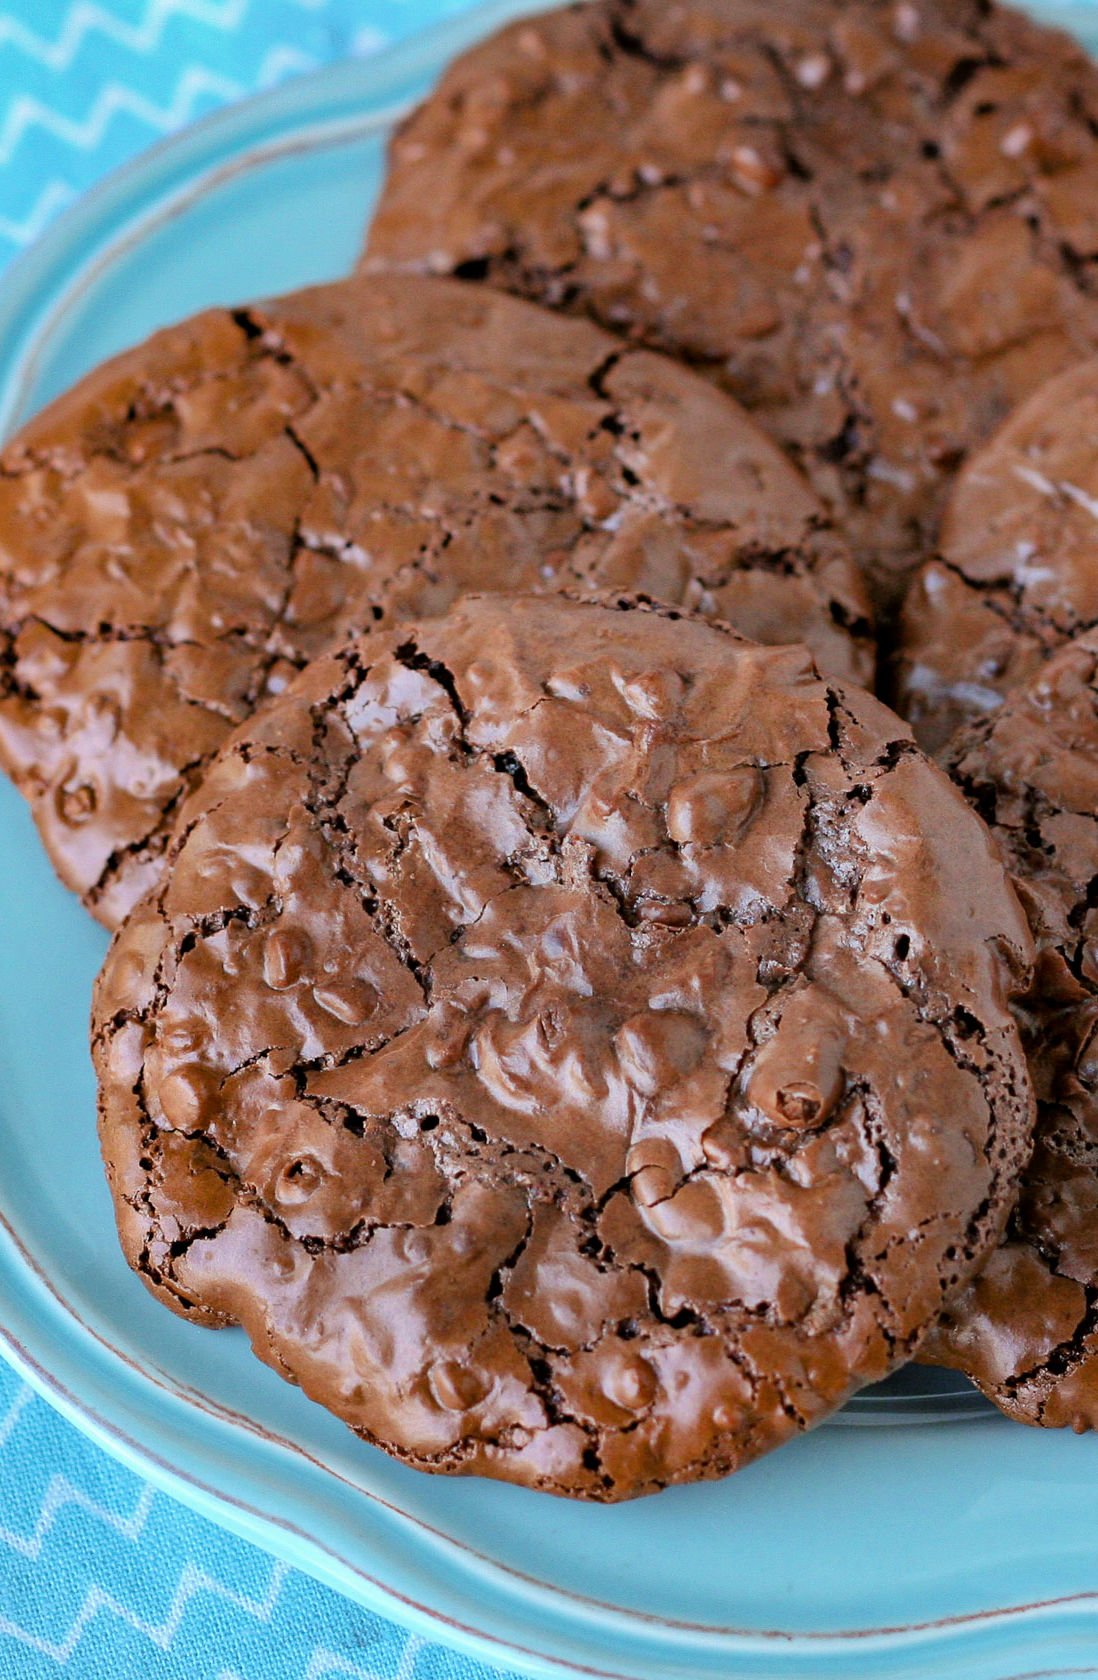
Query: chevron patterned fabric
101,1578
86,83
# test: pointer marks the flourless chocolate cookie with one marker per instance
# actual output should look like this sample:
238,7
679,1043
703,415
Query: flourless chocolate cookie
1018,572
572,1040
195,520
1026,1330
872,220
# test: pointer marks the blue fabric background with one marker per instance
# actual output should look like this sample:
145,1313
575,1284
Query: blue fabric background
100,1577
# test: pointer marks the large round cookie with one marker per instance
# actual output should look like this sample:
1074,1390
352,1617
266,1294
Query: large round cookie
198,518
873,222
1027,1329
573,1042
1018,568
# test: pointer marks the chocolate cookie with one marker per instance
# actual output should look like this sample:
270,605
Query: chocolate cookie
572,1041
1018,572
198,518
1026,1330
873,222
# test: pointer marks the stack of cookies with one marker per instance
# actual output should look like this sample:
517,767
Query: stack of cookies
577,1028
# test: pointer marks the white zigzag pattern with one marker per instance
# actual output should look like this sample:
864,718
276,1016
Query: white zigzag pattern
86,133
23,1398
192,1582
85,18
61,1492
283,61
26,114
50,200
326,1662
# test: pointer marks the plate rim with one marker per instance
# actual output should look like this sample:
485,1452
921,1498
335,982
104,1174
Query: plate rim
325,108
1065,1616
40,281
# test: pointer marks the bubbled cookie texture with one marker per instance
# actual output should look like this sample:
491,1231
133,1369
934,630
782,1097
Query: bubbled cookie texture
1026,1330
873,221
201,516
572,1040
1016,574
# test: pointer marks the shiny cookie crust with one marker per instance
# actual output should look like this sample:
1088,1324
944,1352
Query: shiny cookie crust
194,521
872,221
572,1040
1026,1329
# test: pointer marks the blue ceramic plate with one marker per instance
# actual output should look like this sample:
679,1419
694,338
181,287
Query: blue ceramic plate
938,1540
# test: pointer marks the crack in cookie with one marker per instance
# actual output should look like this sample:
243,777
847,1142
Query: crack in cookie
1026,1329
872,223
1015,578
196,520
572,1040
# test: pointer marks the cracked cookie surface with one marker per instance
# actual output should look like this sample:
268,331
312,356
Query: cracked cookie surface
871,220
198,518
1026,1330
1016,576
572,1040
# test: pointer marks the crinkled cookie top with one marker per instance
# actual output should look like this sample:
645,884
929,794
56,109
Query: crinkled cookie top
572,1040
871,220
198,518
1027,1329
1016,575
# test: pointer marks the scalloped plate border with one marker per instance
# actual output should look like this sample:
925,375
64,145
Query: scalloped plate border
128,1410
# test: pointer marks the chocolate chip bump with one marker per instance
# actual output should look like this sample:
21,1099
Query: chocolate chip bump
872,221
1016,575
572,1041
198,518
1026,1329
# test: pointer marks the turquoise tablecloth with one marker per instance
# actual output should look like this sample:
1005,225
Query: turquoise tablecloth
99,1575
